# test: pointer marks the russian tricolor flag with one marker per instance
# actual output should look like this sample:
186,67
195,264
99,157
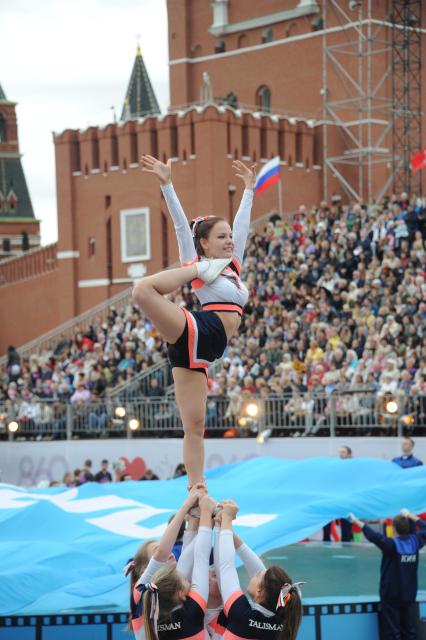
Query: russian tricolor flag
268,175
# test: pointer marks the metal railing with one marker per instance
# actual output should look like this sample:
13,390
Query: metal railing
140,384
356,413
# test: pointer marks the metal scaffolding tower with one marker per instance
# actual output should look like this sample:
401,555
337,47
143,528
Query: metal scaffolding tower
406,92
357,64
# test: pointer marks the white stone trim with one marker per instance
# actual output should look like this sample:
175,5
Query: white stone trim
317,167
64,255
95,170
299,164
76,173
114,168
133,165
99,282
276,43
122,280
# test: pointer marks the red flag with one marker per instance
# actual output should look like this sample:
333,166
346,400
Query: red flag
418,161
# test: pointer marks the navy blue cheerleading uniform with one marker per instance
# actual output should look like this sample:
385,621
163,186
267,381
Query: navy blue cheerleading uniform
398,579
240,619
186,621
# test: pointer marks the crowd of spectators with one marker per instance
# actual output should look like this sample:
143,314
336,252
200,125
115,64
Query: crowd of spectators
337,304
119,473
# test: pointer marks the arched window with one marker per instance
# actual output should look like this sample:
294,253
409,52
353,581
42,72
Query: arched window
2,128
263,99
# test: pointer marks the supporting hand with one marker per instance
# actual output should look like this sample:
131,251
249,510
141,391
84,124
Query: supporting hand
229,508
195,494
152,165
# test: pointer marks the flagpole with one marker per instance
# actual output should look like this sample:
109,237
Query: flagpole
280,198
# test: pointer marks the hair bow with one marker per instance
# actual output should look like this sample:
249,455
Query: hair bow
155,603
129,567
285,593
197,221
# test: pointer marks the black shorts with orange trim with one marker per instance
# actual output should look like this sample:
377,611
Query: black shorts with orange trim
203,341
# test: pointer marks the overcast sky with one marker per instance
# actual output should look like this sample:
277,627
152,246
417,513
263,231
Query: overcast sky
66,63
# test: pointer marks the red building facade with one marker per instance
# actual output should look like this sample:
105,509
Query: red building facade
263,59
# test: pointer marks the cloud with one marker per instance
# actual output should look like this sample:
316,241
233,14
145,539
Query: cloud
72,64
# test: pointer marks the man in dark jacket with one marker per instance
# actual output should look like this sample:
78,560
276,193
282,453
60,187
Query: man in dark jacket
407,460
398,574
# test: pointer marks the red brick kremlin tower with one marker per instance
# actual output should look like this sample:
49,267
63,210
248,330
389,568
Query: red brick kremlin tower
19,230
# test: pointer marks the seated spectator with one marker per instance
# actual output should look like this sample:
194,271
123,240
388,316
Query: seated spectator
179,471
149,475
81,395
86,472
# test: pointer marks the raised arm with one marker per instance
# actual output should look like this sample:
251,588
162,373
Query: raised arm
186,561
421,524
169,536
252,563
185,240
229,583
203,545
241,226
383,542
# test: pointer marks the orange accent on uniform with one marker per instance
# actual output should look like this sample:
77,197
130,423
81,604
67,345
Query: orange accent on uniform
201,635
222,307
228,635
188,264
237,265
136,595
191,338
197,283
228,604
217,628
198,599
137,623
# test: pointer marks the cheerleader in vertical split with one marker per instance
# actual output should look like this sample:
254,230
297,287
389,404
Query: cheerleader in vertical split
276,609
211,255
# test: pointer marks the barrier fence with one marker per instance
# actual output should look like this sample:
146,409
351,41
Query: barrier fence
357,413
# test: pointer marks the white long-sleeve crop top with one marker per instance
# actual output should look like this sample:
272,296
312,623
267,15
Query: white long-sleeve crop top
227,292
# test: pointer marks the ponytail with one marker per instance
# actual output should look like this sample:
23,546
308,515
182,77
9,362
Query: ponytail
135,567
291,614
150,611
284,597
159,598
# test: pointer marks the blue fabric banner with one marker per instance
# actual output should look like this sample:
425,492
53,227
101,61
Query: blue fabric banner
64,549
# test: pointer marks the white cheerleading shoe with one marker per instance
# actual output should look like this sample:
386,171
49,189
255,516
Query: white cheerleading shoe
214,268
